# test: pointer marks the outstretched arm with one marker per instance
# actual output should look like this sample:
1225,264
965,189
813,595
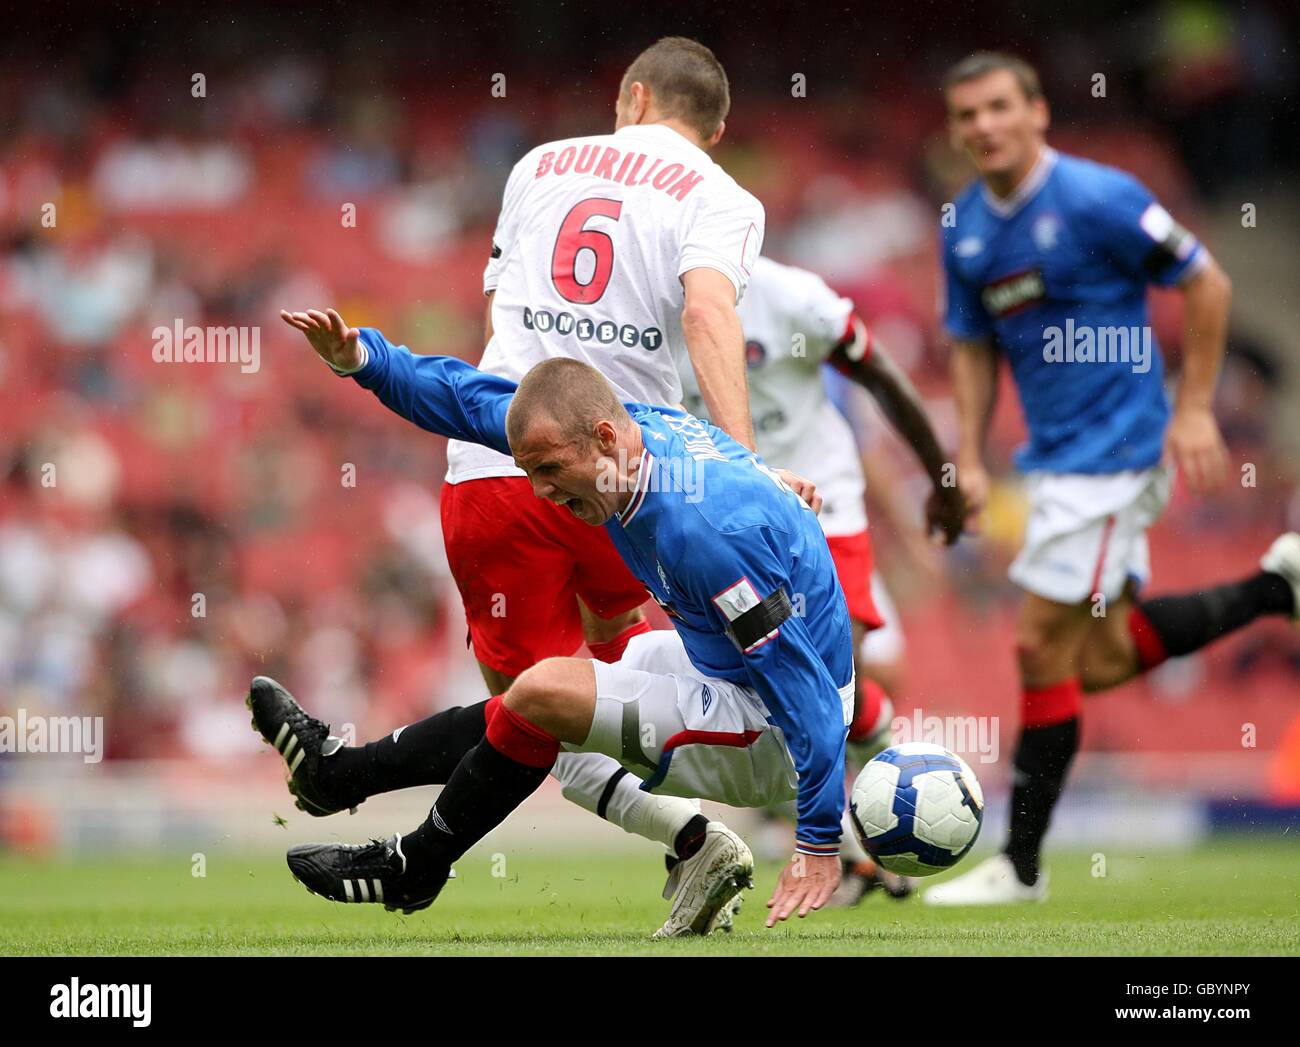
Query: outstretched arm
438,393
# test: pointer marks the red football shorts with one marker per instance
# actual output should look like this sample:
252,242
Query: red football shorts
852,556
520,562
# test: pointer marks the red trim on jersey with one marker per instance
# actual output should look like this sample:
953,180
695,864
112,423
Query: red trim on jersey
521,740
745,247
1107,531
1050,705
1150,648
727,588
638,495
850,337
738,740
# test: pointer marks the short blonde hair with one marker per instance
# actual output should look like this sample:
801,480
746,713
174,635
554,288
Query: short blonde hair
571,393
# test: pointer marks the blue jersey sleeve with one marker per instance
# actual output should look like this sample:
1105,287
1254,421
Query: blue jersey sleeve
1139,234
963,311
731,574
438,393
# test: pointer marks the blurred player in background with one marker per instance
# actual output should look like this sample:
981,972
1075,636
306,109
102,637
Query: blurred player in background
793,325
1048,263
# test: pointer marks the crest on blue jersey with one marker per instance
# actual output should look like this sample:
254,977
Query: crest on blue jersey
1045,230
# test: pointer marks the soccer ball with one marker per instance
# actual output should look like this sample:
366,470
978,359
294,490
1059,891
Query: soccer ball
917,808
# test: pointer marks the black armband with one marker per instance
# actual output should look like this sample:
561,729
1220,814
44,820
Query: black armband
761,622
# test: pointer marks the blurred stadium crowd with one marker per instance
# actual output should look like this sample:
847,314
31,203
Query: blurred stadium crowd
167,529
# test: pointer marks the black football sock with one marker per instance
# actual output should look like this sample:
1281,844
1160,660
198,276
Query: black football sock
690,839
1043,757
423,753
1187,623
482,791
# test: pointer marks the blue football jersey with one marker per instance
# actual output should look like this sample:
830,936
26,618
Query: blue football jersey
710,532
1056,276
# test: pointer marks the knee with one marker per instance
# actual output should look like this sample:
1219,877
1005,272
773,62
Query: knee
1109,658
1033,646
537,692
1043,651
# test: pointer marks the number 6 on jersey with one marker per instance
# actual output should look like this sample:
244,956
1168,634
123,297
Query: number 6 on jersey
575,238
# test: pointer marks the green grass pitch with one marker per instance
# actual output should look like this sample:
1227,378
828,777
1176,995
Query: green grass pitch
1239,897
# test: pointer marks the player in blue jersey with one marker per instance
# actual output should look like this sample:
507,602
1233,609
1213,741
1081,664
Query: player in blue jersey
1047,260
746,702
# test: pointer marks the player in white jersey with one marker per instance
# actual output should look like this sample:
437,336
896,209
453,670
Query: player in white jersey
627,251
794,323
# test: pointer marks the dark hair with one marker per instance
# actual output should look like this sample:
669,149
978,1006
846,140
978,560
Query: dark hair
686,80
981,63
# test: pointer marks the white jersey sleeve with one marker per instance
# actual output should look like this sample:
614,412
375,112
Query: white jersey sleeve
816,312
724,232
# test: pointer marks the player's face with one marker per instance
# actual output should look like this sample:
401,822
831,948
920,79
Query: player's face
567,473
992,120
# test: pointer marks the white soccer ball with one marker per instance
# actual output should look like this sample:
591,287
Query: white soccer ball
917,808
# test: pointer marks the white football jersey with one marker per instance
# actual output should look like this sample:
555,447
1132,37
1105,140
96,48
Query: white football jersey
792,321
593,238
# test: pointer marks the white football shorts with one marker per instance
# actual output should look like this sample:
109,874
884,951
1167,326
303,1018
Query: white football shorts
1088,534
688,734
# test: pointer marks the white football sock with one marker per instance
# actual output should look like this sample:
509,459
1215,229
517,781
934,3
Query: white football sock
585,777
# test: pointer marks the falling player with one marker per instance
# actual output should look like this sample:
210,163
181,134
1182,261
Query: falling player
793,325
628,251
747,701
1049,258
